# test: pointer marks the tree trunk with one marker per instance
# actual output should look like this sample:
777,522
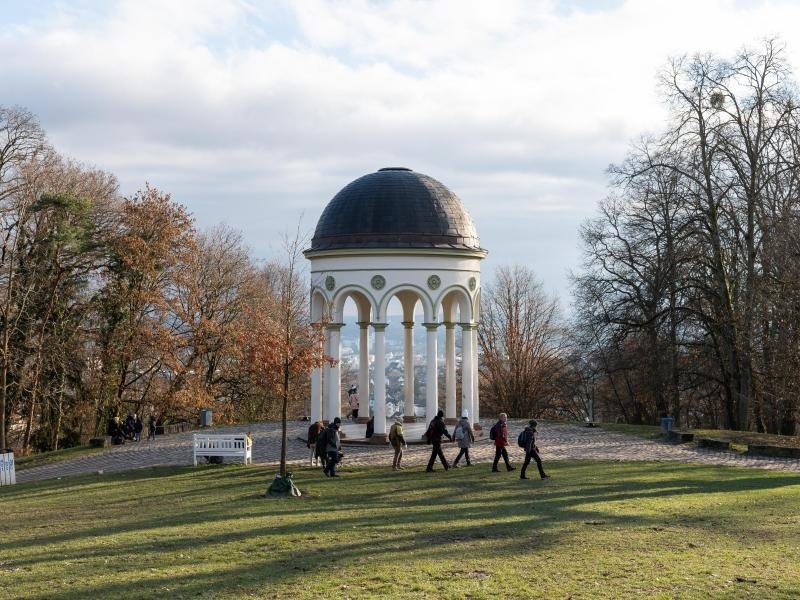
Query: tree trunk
284,411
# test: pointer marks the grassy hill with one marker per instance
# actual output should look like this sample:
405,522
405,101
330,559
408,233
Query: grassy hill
595,530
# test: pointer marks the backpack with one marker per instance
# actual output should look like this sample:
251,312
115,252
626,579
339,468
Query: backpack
494,432
522,440
429,434
459,432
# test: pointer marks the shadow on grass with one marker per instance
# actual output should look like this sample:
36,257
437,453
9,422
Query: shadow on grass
368,515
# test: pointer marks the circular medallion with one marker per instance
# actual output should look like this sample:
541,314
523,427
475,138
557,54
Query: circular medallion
472,283
330,283
377,282
434,281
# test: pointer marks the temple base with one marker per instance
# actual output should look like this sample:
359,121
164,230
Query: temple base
409,419
362,419
378,438
450,421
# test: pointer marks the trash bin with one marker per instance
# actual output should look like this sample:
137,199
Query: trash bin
205,417
666,424
7,474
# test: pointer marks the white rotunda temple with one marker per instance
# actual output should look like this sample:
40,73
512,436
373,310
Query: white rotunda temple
397,233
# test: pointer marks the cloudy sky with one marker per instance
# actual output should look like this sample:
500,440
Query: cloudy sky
255,113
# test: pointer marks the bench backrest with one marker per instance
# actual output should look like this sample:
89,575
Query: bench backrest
221,442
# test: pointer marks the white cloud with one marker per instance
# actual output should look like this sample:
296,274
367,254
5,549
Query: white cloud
251,113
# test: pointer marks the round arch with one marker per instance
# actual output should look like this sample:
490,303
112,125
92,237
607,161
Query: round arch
399,290
319,305
365,303
452,297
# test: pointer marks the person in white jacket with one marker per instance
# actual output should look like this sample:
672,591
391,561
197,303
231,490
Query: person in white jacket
463,436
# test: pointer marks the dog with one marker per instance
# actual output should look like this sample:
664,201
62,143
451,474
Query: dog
313,433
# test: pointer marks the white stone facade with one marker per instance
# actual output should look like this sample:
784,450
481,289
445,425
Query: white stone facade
445,282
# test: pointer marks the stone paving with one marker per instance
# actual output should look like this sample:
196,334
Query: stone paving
556,442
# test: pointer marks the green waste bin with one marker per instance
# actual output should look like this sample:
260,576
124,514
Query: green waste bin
205,417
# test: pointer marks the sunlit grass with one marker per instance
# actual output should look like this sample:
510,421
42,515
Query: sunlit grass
45,458
595,530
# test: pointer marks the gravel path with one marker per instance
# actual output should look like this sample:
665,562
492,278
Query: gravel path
556,441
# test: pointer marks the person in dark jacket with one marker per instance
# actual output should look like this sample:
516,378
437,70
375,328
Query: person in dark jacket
127,426
500,443
138,426
370,428
531,451
152,425
438,429
333,448
115,432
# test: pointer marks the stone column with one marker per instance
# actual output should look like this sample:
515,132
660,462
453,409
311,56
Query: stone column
363,372
467,378
476,376
450,374
326,381
316,395
408,372
315,410
379,435
432,375
335,380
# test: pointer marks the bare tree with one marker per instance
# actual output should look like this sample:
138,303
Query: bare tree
684,260
521,343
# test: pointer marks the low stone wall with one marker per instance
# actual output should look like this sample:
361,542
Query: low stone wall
679,437
714,444
173,428
774,451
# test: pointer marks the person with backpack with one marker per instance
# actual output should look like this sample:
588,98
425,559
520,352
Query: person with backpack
437,429
527,440
333,447
398,442
464,436
499,433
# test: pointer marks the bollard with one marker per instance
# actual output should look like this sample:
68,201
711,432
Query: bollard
7,473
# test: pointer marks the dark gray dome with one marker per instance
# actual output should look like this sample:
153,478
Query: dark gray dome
395,208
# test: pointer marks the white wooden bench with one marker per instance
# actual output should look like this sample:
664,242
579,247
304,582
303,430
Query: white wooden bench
223,445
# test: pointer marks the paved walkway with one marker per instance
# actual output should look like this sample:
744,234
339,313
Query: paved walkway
556,441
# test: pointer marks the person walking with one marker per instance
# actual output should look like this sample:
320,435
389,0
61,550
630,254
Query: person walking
137,428
333,448
115,431
437,429
398,442
127,426
531,451
464,437
352,399
500,435
151,435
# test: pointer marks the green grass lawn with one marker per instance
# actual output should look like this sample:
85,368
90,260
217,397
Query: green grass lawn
595,530
44,458
740,440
